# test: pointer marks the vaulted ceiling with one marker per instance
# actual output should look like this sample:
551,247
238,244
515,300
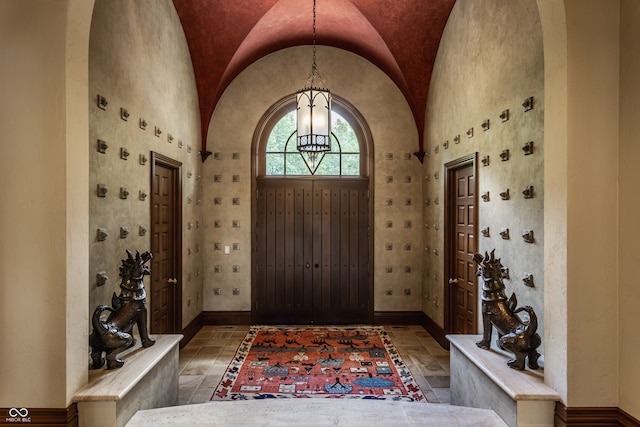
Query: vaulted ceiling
400,37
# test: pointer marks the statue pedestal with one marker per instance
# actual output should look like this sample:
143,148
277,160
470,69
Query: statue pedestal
148,379
481,379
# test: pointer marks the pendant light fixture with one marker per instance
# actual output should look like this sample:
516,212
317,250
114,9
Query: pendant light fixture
314,114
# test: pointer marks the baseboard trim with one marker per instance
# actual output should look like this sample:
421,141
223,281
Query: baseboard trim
379,318
593,416
226,317
435,331
412,318
191,330
50,417
214,318
627,420
397,317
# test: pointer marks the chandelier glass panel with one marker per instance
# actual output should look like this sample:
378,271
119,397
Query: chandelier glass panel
313,114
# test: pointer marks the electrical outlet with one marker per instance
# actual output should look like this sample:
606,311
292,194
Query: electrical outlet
217,291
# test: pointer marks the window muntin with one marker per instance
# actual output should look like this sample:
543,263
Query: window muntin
283,159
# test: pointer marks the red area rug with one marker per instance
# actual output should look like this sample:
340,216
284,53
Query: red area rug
323,361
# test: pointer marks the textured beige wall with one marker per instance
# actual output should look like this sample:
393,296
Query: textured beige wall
629,292
33,276
43,223
593,73
582,64
490,60
77,175
139,61
233,124
553,19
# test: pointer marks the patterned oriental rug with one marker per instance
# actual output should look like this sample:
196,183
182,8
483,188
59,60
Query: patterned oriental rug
321,362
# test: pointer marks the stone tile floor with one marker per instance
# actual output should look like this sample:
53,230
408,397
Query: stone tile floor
204,360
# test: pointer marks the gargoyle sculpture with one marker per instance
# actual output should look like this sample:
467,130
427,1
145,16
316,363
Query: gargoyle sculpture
113,335
514,335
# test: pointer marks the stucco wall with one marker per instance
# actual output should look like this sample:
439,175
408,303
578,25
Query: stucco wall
44,219
593,74
582,63
396,173
629,291
490,60
554,30
139,61
37,210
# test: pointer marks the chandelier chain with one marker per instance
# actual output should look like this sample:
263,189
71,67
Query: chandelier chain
314,74
314,34
314,115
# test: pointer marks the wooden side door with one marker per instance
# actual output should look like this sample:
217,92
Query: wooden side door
311,251
166,289
461,218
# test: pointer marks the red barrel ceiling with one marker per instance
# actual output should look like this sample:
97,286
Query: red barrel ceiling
400,37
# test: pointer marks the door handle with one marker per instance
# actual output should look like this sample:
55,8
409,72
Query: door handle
317,265
172,281
308,265
453,281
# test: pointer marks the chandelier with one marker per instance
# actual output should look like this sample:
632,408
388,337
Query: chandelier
314,114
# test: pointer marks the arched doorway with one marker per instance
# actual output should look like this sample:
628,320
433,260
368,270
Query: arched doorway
311,235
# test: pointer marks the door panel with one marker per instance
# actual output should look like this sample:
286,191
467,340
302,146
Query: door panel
312,251
165,243
342,209
283,219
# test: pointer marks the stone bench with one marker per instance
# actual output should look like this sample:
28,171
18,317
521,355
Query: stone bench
148,379
481,379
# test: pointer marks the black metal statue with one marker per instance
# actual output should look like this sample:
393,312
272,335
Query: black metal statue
114,335
514,335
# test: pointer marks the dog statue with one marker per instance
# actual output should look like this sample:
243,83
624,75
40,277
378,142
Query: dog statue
514,335
113,336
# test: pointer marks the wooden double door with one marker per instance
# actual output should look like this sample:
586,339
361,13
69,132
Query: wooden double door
312,251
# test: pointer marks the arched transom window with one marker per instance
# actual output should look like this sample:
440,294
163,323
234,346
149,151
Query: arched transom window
281,157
